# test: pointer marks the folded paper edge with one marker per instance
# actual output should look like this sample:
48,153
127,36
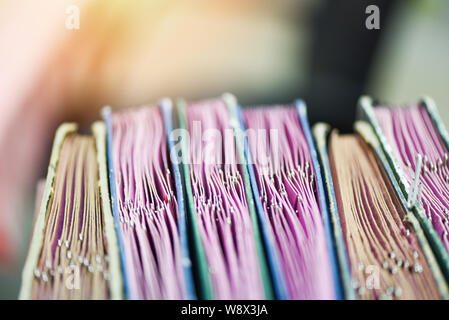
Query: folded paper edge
166,107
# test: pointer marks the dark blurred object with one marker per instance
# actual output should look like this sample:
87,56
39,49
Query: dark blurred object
341,58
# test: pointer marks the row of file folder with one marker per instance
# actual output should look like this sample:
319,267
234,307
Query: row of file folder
209,200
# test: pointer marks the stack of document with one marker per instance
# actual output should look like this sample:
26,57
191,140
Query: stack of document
205,199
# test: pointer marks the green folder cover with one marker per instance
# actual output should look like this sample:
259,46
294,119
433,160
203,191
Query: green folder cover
205,285
366,113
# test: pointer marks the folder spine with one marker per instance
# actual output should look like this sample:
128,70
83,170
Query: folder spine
320,133
38,232
279,282
237,123
302,113
205,289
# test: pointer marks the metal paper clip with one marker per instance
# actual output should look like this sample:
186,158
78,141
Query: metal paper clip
414,195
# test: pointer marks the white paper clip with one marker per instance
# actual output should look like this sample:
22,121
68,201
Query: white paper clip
414,195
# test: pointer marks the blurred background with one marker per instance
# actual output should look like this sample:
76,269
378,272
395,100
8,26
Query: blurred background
132,52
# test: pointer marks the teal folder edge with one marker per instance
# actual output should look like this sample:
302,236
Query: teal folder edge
166,107
204,282
205,288
366,112
321,133
113,194
432,110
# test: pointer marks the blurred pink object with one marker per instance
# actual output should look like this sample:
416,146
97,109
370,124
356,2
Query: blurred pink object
30,31
125,53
